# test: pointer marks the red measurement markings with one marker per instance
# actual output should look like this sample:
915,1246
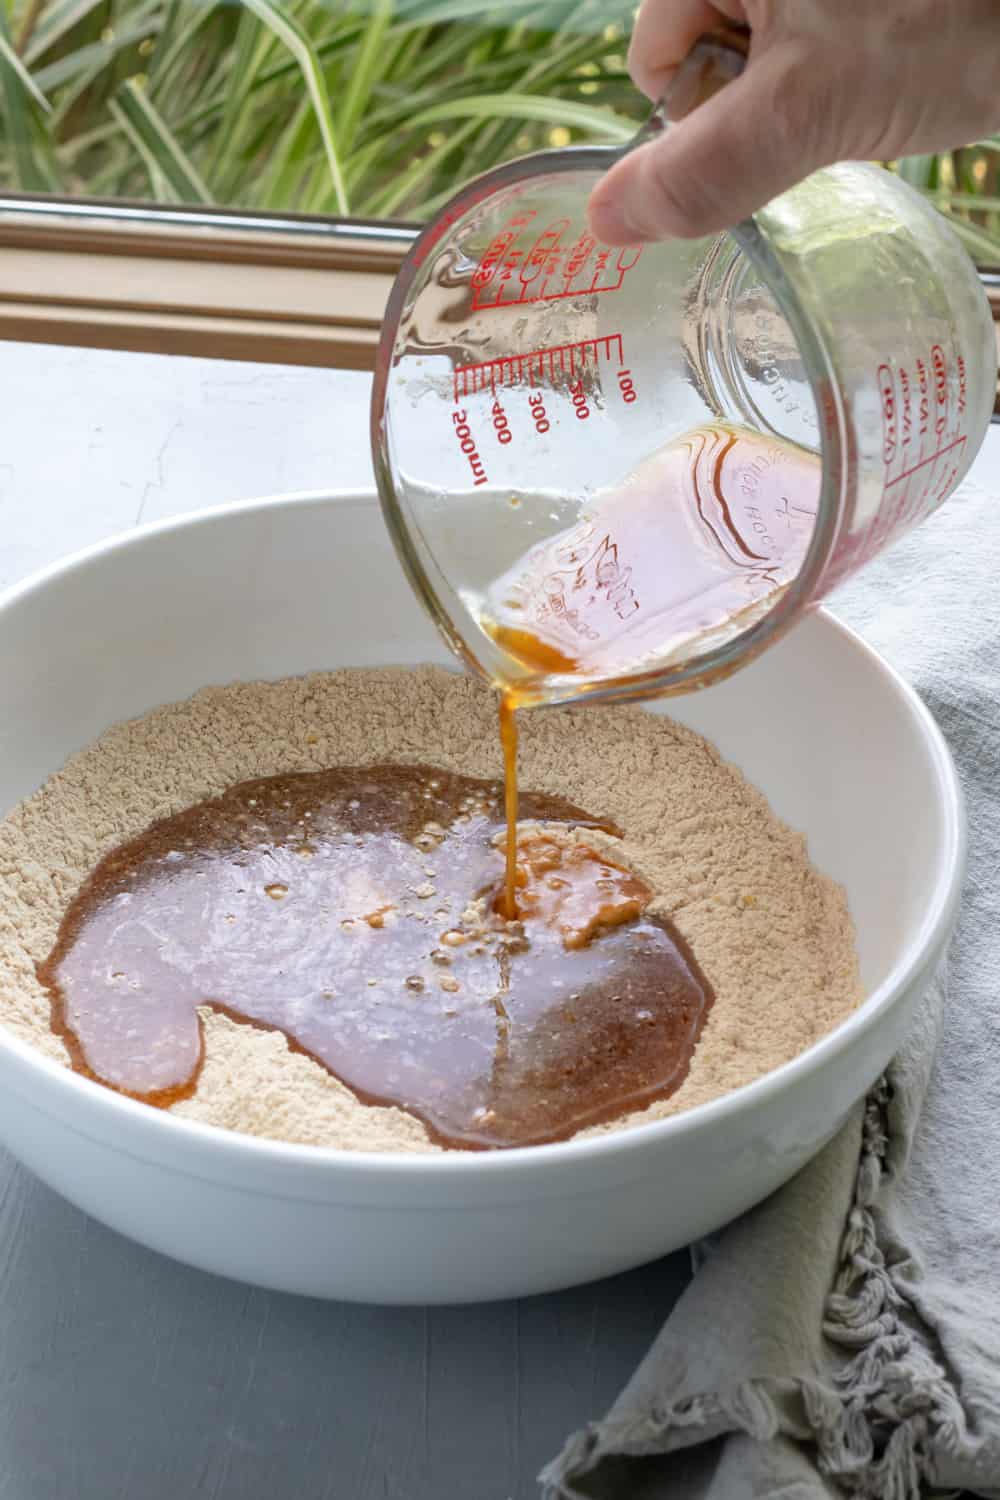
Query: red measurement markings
924,463
887,396
467,443
524,264
921,426
500,246
535,366
435,233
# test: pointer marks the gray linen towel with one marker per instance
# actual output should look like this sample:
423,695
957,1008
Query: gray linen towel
844,1337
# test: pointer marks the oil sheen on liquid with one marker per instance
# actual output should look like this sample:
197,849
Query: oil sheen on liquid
355,910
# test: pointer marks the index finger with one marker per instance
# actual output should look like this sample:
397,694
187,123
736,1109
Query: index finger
665,31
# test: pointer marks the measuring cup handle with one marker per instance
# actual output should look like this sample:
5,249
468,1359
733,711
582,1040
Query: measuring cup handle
716,58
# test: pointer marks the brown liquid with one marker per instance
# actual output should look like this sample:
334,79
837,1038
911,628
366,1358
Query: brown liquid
334,906
508,745
709,529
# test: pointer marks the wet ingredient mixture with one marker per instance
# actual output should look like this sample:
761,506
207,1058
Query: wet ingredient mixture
707,531
355,910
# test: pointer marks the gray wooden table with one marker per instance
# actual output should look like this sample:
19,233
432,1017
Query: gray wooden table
122,1375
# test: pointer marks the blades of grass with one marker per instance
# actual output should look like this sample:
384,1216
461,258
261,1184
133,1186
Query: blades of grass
280,72
437,12
387,204
291,36
277,126
247,56
405,100
429,54
160,187
61,17
557,66
87,61
981,245
282,179
202,73
368,62
987,202
26,30
135,111
26,173
11,61
356,172
600,122
962,167
495,143
180,48
345,37
919,171
450,62
410,42
167,32
88,140
496,139
84,68
121,164
428,207
436,64
496,79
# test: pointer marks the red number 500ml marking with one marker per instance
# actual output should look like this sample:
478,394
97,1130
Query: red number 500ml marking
467,443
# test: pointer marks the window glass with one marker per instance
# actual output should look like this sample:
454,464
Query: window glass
362,108
377,110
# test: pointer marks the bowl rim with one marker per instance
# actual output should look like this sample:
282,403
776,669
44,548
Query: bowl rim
923,949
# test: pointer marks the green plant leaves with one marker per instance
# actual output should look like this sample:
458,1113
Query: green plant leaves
363,106
599,122
293,36
158,146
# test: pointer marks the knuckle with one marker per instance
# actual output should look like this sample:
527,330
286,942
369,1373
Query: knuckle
802,107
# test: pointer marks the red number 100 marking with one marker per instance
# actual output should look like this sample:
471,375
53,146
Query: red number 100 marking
628,390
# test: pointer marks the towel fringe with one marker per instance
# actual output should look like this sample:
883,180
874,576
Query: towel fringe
893,1393
871,1429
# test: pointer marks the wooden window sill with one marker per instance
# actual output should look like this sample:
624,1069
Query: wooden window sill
304,292
225,285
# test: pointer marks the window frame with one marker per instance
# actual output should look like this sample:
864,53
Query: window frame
288,289
273,288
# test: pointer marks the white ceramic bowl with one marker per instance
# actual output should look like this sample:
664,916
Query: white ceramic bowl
843,749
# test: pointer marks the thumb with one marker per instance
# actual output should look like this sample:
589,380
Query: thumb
753,139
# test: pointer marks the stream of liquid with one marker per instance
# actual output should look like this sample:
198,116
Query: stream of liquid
709,530
508,747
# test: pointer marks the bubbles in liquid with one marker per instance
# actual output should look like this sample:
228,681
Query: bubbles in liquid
513,1035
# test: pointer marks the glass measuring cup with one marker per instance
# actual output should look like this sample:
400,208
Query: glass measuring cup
620,473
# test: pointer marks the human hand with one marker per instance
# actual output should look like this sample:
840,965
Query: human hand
826,81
